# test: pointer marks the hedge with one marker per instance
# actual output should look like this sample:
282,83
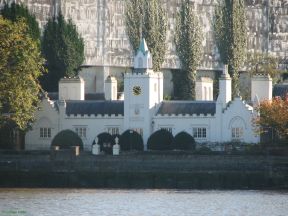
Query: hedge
131,140
66,139
184,141
160,140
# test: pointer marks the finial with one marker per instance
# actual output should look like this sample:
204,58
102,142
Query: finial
225,69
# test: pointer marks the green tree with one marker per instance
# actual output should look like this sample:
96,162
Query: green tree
231,37
63,49
188,40
147,18
21,65
263,63
14,12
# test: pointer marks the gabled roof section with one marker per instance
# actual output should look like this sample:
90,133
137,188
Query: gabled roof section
143,47
95,108
187,108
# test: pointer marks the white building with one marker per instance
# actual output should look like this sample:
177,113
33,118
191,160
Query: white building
144,110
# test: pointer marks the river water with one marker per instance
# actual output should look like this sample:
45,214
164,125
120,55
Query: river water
84,202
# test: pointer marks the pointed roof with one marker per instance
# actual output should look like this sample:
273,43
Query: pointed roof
143,47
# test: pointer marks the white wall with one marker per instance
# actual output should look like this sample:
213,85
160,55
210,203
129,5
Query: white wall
46,117
111,88
94,126
139,109
261,85
186,123
204,89
71,89
239,114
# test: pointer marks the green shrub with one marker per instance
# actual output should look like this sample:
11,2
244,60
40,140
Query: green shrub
131,140
67,138
184,141
160,140
106,142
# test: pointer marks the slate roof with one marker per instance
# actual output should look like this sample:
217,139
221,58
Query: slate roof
94,96
187,107
280,90
95,107
143,47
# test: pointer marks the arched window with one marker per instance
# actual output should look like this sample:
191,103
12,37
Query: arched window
237,127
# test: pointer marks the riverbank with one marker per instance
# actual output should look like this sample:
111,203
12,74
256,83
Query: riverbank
144,170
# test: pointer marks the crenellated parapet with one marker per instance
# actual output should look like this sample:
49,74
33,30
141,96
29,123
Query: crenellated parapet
93,116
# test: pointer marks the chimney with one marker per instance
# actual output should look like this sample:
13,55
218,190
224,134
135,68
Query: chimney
71,88
204,89
111,88
261,86
225,89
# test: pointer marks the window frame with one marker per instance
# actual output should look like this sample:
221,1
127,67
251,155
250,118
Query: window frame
45,132
81,131
113,130
199,132
237,133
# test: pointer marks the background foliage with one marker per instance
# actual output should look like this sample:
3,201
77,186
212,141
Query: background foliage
231,37
147,18
15,12
63,49
263,63
188,39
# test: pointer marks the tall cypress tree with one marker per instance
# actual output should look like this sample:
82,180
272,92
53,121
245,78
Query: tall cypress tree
231,37
188,39
63,49
148,18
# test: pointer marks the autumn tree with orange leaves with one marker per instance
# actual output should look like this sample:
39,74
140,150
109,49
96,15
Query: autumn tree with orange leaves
274,115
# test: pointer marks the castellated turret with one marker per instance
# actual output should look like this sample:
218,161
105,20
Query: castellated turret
225,87
204,89
261,86
71,88
111,88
